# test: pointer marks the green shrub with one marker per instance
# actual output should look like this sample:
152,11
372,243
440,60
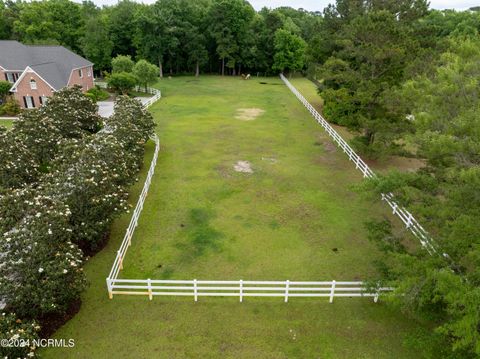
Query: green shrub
91,96
4,89
122,82
23,332
10,108
97,94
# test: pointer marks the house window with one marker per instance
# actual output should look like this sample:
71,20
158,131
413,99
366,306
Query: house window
9,77
80,73
29,101
43,100
89,72
33,84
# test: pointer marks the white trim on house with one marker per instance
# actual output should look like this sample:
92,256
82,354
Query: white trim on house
28,69
9,70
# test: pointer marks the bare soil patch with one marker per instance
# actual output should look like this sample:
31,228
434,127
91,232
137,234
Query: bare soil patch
248,114
243,166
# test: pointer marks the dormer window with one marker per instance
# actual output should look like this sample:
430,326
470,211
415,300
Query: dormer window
80,73
33,84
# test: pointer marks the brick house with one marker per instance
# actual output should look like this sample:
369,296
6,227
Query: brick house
37,71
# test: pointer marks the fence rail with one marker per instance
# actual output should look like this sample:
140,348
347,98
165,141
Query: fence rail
241,289
157,94
127,239
229,288
405,216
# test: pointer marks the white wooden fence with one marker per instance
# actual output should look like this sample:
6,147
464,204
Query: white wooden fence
405,216
127,239
209,288
240,288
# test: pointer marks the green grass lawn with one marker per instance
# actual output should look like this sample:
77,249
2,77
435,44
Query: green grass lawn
6,123
204,220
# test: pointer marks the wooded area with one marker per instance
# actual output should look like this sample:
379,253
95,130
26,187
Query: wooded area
402,77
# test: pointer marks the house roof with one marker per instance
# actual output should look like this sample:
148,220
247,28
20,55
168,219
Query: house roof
52,63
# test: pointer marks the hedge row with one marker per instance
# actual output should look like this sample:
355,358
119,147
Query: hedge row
64,176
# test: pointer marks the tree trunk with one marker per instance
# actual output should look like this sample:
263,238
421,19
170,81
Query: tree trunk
223,66
197,69
239,69
160,67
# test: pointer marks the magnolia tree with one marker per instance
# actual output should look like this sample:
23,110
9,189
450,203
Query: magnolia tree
72,113
39,133
91,177
14,204
14,329
41,269
67,114
17,164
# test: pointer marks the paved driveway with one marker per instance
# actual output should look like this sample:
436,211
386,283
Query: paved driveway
105,108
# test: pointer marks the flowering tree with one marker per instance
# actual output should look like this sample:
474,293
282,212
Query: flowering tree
17,164
132,125
14,204
14,329
41,268
91,176
72,113
39,133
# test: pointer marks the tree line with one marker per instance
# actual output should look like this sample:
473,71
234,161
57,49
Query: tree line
405,80
179,36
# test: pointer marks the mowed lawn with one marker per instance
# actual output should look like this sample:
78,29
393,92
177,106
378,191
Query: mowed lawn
295,217
6,123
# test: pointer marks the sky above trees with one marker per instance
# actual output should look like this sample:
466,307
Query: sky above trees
318,5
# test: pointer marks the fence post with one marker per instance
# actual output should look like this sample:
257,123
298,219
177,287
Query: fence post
109,287
195,290
395,205
120,260
365,172
332,291
287,286
409,222
241,290
375,298
150,295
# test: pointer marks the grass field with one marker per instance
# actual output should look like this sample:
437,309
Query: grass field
204,220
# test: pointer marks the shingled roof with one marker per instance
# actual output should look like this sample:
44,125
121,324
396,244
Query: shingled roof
53,63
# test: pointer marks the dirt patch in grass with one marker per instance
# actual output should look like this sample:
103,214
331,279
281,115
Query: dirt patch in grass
243,166
329,147
248,114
